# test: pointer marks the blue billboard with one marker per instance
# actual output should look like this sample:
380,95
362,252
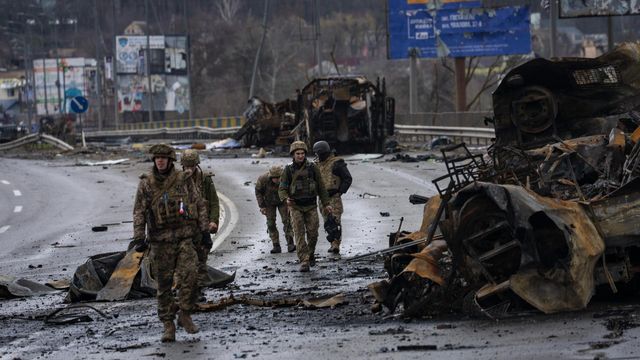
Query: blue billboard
456,29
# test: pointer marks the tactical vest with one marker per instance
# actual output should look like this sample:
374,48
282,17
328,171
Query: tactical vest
171,204
303,182
330,180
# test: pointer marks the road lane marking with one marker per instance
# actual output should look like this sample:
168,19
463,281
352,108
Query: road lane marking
17,193
230,219
4,228
6,182
17,209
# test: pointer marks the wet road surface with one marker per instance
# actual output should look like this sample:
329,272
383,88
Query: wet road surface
51,235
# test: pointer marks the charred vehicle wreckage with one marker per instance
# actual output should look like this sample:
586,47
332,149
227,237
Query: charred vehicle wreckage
349,112
549,216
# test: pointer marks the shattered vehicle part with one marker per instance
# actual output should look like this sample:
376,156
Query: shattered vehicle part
351,113
329,301
12,287
551,214
123,275
70,315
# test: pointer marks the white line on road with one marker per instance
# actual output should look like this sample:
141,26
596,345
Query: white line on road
4,228
231,220
17,193
5,182
17,209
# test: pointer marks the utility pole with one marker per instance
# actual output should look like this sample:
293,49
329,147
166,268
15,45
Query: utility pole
148,61
188,45
114,65
413,81
461,84
316,38
265,17
98,62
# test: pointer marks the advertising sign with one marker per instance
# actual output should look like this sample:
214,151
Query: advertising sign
55,79
167,68
456,29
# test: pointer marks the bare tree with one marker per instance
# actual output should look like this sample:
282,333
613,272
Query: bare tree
228,10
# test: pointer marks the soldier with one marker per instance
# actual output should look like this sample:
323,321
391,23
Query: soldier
269,203
190,161
337,180
173,212
300,186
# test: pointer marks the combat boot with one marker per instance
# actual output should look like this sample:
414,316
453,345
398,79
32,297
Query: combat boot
304,267
276,249
334,248
291,246
184,320
169,334
312,260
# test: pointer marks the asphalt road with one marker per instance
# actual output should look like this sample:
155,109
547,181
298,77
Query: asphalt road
45,233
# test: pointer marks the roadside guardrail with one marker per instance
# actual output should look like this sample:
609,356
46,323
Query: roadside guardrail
404,133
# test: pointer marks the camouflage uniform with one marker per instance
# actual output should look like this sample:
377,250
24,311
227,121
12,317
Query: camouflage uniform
267,197
205,184
173,213
336,179
302,183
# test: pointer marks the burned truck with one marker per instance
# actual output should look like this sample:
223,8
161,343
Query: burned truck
350,112
550,214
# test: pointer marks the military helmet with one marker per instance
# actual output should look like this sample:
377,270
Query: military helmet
275,171
321,147
298,145
190,158
163,150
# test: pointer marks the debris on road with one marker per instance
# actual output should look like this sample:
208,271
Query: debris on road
549,215
12,287
102,163
330,301
72,315
124,275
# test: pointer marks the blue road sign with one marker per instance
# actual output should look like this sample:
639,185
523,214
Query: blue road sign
79,104
456,31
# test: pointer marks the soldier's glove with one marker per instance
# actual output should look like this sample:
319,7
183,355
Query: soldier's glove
332,228
140,245
206,239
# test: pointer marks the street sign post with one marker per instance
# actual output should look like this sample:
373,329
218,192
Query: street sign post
80,105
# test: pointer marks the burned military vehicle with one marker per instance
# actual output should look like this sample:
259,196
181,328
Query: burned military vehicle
550,214
349,112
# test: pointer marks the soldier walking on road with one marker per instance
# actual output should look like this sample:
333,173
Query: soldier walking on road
173,212
337,180
190,161
270,204
300,186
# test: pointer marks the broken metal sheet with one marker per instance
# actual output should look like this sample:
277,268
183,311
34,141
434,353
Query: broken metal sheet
121,280
124,275
325,301
559,246
62,284
72,315
330,301
12,287
618,215
425,263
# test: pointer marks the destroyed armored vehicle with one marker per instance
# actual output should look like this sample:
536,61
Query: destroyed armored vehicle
550,214
349,112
